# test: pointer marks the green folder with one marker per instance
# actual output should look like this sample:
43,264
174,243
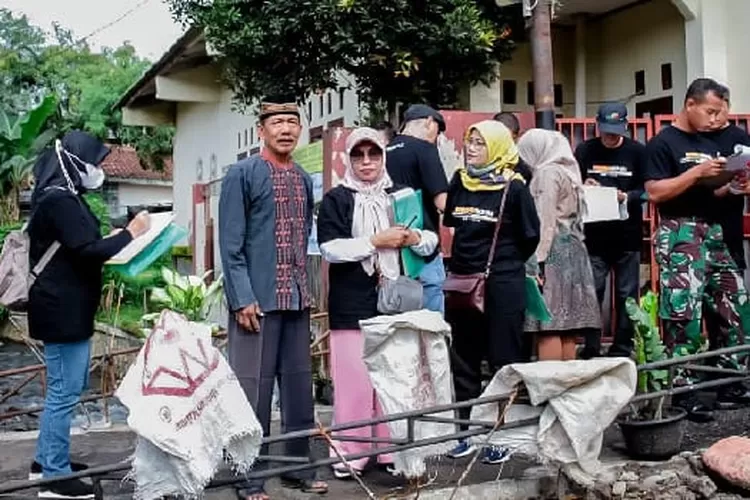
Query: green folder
535,305
407,208
163,243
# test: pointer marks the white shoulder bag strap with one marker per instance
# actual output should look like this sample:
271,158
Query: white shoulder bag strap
45,260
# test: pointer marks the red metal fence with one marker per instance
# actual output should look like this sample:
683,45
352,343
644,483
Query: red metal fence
203,237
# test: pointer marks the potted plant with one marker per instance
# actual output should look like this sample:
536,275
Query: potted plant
190,296
651,429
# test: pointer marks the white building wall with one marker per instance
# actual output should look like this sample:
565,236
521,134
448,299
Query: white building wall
490,99
142,194
737,46
196,139
344,104
640,38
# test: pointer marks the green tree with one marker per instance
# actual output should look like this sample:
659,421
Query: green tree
20,46
398,51
86,83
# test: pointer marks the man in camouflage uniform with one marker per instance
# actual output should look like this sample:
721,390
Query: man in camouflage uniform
696,268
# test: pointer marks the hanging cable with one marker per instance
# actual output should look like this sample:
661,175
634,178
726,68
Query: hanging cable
115,21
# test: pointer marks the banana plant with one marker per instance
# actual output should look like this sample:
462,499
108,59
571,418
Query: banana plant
187,295
22,138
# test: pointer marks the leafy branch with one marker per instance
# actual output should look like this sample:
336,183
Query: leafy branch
397,51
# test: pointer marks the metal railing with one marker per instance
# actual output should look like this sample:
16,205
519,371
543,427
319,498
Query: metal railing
289,465
107,364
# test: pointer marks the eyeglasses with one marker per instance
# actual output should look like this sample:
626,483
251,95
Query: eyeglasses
475,143
372,154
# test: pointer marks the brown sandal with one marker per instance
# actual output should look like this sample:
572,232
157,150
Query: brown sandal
314,486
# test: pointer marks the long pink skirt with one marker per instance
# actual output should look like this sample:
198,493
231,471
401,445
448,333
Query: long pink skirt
354,398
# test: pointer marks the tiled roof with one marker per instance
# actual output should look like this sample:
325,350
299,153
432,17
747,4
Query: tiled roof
123,163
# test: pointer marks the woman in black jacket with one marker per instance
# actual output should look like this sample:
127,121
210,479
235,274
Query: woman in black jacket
64,299
474,202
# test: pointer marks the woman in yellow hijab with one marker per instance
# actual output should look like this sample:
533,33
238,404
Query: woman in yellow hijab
496,230
491,157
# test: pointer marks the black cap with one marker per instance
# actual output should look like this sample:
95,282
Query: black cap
612,118
422,111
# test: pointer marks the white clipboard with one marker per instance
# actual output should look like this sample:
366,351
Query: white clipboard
159,223
602,204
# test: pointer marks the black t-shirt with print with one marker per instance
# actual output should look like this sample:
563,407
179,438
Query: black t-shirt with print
673,152
731,207
473,214
620,168
416,163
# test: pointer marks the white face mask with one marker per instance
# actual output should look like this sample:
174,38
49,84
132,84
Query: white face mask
93,178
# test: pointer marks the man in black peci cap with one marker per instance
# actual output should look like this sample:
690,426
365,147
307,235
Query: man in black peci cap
265,218
615,160
412,159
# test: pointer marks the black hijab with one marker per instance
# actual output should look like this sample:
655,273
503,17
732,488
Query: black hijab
47,171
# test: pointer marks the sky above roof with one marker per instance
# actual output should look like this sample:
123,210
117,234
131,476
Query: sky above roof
148,25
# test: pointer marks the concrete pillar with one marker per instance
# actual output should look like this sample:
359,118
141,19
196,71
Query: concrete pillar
581,97
706,39
542,66
714,27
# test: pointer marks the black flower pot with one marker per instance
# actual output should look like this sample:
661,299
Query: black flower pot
654,439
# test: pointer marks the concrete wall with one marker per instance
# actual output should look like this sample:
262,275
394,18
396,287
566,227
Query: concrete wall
140,194
490,99
197,139
616,46
640,38
737,45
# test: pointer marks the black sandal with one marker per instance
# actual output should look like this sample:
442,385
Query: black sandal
315,486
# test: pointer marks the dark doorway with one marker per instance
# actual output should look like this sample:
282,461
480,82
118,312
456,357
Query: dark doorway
661,106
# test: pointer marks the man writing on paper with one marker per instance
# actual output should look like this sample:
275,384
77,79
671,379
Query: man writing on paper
695,266
731,209
412,160
732,203
615,160
265,219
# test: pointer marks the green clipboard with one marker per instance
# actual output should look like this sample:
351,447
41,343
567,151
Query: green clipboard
407,208
535,305
163,243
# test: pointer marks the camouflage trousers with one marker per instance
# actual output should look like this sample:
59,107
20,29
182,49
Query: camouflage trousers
697,274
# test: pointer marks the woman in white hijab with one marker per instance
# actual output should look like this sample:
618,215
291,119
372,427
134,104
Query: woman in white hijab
563,261
358,238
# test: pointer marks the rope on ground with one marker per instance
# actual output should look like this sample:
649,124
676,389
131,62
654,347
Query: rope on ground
327,436
500,421
413,489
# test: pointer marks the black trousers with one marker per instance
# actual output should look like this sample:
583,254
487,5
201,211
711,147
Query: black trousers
496,335
281,350
626,266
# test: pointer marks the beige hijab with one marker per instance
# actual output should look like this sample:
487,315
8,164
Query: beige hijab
371,204
548,149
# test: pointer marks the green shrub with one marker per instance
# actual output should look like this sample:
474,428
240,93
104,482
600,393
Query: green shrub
134,290
649,348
